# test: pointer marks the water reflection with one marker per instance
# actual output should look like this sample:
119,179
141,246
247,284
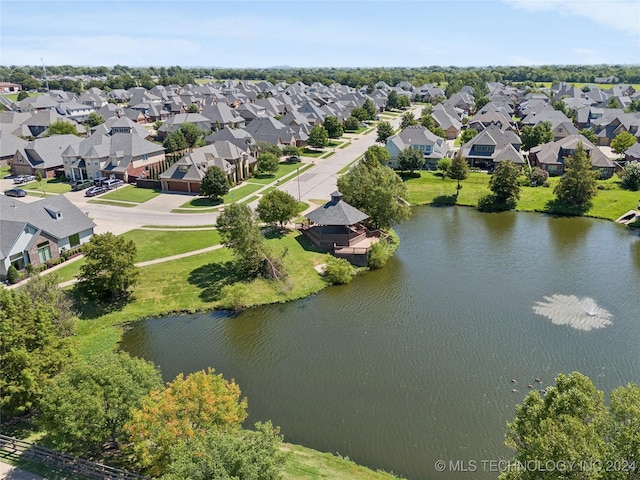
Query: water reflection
568,233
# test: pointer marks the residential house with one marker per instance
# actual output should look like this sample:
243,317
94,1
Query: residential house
419,138
78,112
492,146
35,232
43,155
551,156
172,124
37,103
9,145
121,154
447,118
187,173
268,129
632,154
239,137
221,115
8,87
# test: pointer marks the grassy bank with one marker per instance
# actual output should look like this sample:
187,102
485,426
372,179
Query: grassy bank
611,202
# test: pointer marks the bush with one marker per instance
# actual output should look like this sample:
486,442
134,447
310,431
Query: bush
630,176
234,297
538,176
339,271
13,276
490,203
379,254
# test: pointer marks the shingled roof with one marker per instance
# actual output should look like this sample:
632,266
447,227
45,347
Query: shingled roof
336,212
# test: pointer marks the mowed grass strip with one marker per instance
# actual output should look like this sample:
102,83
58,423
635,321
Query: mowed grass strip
51,185
284,169
131,193
235,195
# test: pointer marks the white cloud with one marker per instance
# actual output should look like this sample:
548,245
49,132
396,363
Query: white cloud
615,14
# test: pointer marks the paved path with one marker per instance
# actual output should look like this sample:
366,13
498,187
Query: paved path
9,472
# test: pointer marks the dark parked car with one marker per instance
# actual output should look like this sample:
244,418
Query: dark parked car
93,191
15,192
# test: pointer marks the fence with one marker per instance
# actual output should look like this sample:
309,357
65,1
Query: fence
74,465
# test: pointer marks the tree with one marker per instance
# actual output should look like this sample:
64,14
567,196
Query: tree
411,159
630,176
291,151
481,102
504,182
538,176
459,170
370,109
93,120
277,206
534,136
376,153
444,164
239,231
61,127
246,454
377,191
408,120
439,132
318,137
174,141
44,292
333,127
564,426
215,183
360,114
188,408
22,94
589,135
560,106
268,163
30,351
109,270
578,184
405,101
393,100
266,147
192,134
468,135
624,426
351,123
89,403
384,131
193,108
427,121
338,271
613,102
622,142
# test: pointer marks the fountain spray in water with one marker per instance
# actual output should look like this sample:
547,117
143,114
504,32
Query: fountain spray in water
579,313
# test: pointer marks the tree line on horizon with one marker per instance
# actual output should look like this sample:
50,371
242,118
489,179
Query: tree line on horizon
353,77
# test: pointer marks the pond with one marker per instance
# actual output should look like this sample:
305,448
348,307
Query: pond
414,363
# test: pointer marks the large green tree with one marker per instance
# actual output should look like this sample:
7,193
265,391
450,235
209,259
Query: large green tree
589,135
277,206
187,408
244,454
91,400
174,142
458,170
93,120
60,127
537,135
109,270
31,351
622,142
240,231
268,163
630,176
377,191
333,127
411,159
351,123
215,183
370,109
377,153
393,100
318,137
408,120
384,131
504,182
192,134
578,185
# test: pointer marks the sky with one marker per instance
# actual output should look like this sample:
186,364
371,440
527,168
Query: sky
328,33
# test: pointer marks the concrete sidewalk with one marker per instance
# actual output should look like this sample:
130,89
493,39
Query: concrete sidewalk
9,472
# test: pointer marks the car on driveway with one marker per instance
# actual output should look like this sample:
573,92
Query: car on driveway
112,183
15,192
19,179
81,185
93,191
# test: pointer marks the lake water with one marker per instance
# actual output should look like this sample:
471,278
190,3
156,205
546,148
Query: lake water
413,363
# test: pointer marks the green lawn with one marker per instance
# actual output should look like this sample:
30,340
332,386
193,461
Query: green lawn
5,171
313,153
307,464
131,193
355,132
14,96
234,195
51,185
610,203
193,284
284,169
115,203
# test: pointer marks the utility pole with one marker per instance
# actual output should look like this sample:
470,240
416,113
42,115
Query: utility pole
44,69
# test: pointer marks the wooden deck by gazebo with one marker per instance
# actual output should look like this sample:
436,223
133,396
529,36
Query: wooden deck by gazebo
338,228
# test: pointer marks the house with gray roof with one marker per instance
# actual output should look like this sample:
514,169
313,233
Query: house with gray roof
172,124
186,174
419,138
551,156
492,146
221,115
239,137
632,154
9,145
268,129
43,155
35,232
